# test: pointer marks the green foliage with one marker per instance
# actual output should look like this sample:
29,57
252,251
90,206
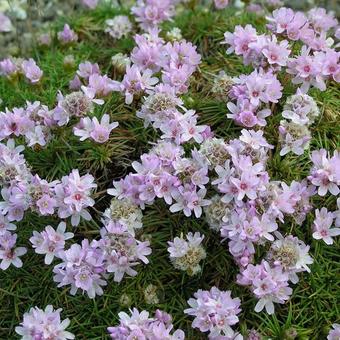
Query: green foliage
315,302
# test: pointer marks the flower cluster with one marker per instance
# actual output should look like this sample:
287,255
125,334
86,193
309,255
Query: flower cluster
317,61
73,196
214,311
161,109
258,50
141,325
82,268
44,324
118,27
121,250
221,4
67,35
291,254
313,69
5,23
251,92
50,242
91,4
323,226
124,212
117,251
95,86
309,68
9,253
176,61
22,190
91,128
150,13
310,28
34,121
187,254
163,173
268,283
247,212
334,334
12,67
301,109
325,172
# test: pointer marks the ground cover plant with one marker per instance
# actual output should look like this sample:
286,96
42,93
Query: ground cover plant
170,170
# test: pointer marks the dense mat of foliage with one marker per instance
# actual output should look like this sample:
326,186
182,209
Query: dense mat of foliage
314,304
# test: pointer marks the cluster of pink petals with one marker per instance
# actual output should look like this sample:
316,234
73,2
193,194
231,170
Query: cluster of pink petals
314,69
221,4
92,128
325,172
88,265
322,225
67,35
247,190
150,13
33,121
44,324
91,4
247,205
162,173
176,61
5,23
311,29
258,50
251,93
9,253
22,190
50,242
334,333
94,85
214,311
139,325
11,67
268,283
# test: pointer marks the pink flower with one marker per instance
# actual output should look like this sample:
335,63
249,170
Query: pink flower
50,242
46,205
5,23
214,311
91,4
31,71
67,35
325,173
220,4
75,83
99,132
87,69
246,186
44,39
99,86
8,67
189,201
102,130
322,226
277,53
44,324
9,254
150,13
135,82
